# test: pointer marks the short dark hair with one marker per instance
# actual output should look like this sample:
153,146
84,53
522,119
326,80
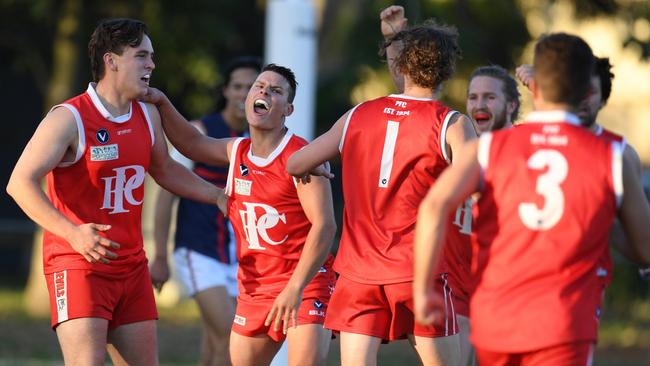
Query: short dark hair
563,66
509,84
242,62
287,74
112,35
429,53
603,69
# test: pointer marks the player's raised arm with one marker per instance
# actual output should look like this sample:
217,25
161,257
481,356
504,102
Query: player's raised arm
392,22
454,186
187,139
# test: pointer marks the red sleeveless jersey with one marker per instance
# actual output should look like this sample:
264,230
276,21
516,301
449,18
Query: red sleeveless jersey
104,185
269,223
392,151
550,192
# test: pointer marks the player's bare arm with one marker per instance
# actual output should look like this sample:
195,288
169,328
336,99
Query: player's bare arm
316,201
460,130
634,214
173,176
159,269
326,147
55,142
392,22
454,186
187,139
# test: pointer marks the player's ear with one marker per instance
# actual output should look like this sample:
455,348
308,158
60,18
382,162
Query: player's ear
109,61
288,109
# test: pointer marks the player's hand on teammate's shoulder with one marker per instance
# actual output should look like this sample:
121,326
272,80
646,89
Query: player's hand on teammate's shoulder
392,21
154,96
92,246
284,312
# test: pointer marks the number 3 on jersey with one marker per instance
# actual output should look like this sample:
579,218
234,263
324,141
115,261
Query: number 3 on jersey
548,185
392,128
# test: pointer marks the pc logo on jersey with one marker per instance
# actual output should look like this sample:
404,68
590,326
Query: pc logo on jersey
102,136
318,304
256,228
243,169
119,188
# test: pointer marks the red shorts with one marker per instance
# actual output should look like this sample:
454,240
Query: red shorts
119,298
250,316
569,354
386,311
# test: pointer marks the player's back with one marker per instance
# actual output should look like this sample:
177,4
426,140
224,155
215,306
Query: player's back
549,198
392,150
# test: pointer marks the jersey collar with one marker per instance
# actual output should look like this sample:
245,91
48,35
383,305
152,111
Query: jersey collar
102,110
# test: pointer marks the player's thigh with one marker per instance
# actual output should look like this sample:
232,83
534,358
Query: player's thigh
217,309
308,344
134,344
252,351
83,340
438,351
467,357
359,349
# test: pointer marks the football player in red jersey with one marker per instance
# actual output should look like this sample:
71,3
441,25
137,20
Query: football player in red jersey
403,141
95,150
284,230
538,246
601,88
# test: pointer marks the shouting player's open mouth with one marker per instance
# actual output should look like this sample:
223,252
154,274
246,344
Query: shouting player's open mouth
261,107
481,118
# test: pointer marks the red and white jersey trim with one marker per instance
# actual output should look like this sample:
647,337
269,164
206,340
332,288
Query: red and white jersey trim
443,135
231,167
345,127
81,142
483,153
263,162
617,171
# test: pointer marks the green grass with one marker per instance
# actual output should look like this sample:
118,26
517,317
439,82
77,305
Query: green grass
26,341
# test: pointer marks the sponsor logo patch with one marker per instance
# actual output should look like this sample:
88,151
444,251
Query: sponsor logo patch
104,153
318,304
102,136
243,169
320,313
243,186
60,291
240,320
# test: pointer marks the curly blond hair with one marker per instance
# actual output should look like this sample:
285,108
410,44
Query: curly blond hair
429,53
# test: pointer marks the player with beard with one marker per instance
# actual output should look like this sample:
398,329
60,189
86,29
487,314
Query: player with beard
492,98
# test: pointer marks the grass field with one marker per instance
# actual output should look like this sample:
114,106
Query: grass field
26,341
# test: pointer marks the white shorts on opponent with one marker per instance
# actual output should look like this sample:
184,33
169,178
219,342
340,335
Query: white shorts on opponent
198,272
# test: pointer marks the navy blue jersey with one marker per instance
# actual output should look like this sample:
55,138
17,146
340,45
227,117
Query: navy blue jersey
202,227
